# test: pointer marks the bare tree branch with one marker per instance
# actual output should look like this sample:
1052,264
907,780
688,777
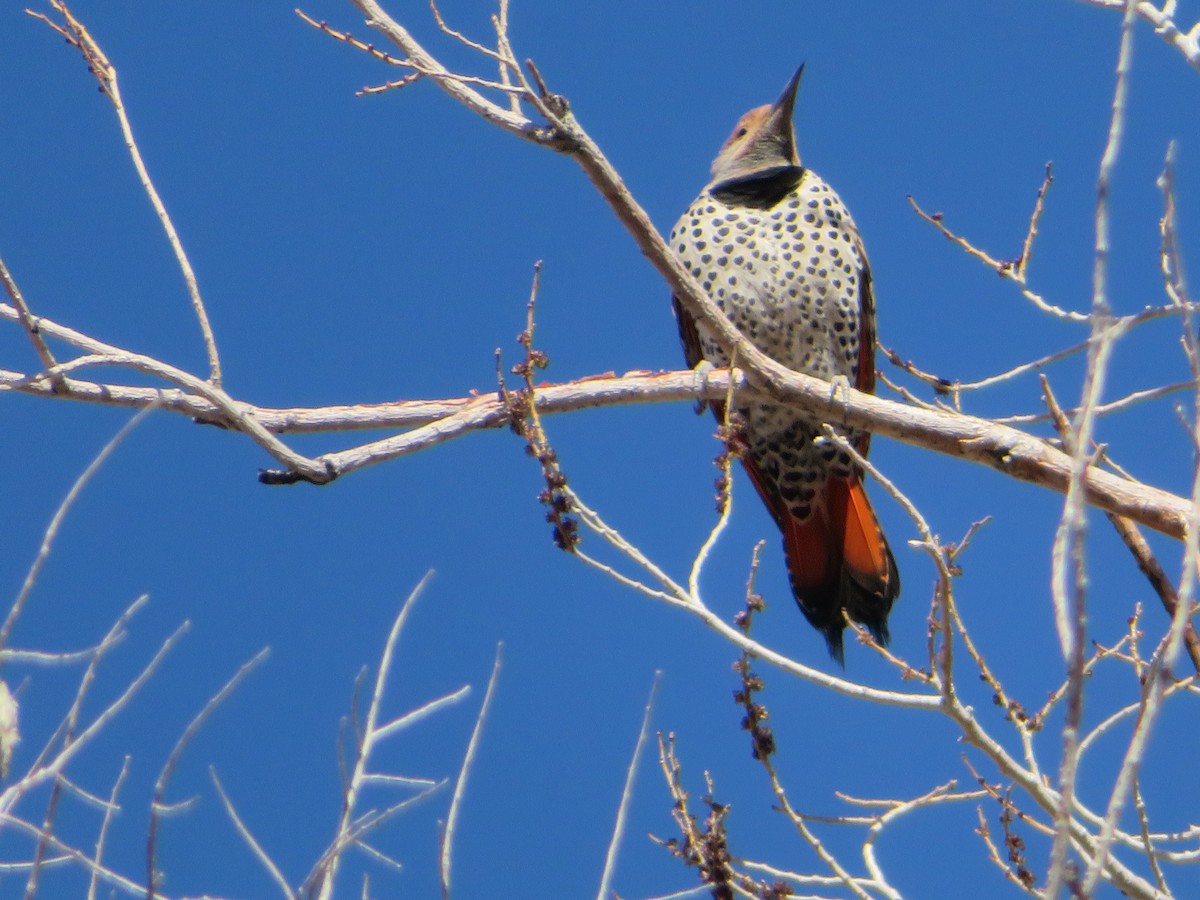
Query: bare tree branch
460,784
1069,582
158,804
106,74
1165,26
610,858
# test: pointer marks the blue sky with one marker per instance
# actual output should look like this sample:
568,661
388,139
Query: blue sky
363,249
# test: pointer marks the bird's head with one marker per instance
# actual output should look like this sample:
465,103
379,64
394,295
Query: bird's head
763,139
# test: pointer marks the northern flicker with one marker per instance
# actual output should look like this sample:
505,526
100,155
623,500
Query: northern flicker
777,250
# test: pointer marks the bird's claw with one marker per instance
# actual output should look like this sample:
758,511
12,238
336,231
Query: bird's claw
839,392
700,372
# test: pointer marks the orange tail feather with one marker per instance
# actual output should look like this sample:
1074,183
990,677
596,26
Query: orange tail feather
838,559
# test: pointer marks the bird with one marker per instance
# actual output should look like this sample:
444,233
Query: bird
776,249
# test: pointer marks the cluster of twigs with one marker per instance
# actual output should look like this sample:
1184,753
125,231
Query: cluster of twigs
48,778
1086,845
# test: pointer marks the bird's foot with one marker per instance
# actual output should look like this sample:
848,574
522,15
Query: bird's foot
839,393
700,371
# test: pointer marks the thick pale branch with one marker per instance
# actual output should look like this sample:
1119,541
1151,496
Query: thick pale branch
1004,449
233,415
1000,447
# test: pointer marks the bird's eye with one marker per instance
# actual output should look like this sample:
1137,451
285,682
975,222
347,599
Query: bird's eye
741,132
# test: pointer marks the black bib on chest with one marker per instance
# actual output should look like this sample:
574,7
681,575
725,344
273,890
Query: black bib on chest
762,190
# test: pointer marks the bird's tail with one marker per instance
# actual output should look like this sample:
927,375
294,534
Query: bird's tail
837,559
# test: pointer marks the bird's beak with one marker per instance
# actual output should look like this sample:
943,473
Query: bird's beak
778,125
785,106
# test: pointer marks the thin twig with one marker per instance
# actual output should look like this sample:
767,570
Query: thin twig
725,495
614,844
158,804
1144,824
460,786
109,811
30,323
462,38
1039,206
255,847
1069,590
56,521
1003,268
106,74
